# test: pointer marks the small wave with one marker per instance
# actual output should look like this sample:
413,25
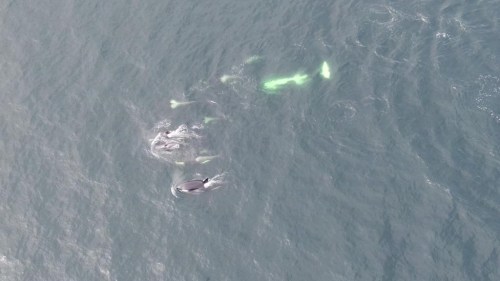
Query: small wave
389,16
216,181
342,111
162,125
442,35
379,104
488,98
385,15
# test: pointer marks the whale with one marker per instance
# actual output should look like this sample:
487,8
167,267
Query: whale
165,144
192,186
197,186
181,133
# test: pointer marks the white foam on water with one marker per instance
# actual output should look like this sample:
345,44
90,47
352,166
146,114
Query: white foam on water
488,96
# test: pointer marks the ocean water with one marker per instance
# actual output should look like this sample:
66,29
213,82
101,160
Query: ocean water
389,170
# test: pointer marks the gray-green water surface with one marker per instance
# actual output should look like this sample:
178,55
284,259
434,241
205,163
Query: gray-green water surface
390,170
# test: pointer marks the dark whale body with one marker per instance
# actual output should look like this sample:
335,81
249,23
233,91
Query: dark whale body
192,185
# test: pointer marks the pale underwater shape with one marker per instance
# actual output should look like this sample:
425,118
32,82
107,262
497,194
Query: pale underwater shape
276,84
174,104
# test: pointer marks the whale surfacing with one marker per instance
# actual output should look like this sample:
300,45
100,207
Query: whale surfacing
192,186
198,186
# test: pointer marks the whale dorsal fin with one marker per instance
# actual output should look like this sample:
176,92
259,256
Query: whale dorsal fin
205,180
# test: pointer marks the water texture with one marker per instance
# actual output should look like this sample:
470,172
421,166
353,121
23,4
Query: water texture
387,171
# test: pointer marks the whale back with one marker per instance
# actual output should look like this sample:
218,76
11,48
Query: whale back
191,185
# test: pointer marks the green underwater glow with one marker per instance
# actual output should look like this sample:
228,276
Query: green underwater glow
277,84
252,59
325,70
228,78
209,119
174,104
205,159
